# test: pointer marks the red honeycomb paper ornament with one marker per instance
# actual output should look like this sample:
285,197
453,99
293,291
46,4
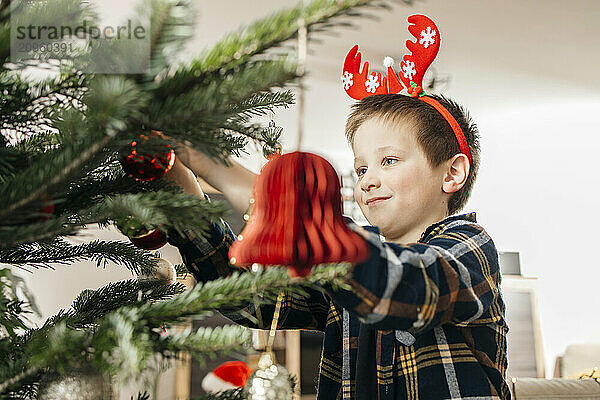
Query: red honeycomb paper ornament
297,218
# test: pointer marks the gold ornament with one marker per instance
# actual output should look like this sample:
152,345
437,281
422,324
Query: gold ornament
77,386
165,272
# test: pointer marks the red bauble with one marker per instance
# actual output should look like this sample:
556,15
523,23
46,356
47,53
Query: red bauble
152,240
297,218
48,209
144,166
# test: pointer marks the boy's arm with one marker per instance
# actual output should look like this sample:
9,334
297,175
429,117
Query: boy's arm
454,278
206,258
234,181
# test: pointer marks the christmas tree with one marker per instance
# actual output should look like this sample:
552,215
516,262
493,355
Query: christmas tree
70,142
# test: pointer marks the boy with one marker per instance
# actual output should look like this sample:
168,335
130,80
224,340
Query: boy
425,318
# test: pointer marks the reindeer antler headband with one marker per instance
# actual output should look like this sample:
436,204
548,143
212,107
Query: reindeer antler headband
359,84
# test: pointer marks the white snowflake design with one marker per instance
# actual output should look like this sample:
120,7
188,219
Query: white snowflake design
409,69
347,80
427,37
372,83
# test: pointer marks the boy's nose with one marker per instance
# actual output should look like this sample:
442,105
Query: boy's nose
369,181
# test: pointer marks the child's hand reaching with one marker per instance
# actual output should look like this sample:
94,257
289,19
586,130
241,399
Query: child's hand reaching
234,181
184,177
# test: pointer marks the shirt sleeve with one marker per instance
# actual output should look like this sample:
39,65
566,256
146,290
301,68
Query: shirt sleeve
207,259
453,278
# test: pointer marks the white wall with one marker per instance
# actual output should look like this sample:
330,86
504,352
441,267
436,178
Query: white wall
538,194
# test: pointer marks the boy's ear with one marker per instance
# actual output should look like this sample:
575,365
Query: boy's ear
457,172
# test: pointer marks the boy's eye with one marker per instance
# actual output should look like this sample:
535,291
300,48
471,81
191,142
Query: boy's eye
360,171
389,161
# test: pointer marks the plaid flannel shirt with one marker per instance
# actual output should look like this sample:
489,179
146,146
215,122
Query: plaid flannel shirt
422,321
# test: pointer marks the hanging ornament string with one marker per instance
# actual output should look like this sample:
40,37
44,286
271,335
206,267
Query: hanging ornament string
270,381
302,50
256,303
274,322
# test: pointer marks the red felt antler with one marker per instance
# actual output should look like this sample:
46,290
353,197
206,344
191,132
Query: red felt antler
423,51
359,84
297,218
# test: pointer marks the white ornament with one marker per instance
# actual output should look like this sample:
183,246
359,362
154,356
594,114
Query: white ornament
409,70
372,83
82,385
269,381
388,61
427,37
164,272
347,80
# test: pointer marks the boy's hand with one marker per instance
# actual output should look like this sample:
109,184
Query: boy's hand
183,148
234,181
184,177
185,152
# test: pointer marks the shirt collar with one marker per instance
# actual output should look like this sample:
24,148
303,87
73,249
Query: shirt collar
440,226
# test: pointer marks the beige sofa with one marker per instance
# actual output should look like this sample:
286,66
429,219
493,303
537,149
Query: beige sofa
555,388
579,361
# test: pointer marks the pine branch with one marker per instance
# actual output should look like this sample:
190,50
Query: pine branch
218,99
55,13
36,145
91,305
36,180
113,102
206,342
87,311
15,235
178,211
125,339
16,301
7,384
240,47
238,289
216,142
261,103
41,255
172,24
93,186
28,107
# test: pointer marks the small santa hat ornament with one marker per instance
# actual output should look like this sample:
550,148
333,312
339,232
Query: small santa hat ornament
297,218
227,376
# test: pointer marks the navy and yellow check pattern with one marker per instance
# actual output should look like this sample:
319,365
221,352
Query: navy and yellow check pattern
433,310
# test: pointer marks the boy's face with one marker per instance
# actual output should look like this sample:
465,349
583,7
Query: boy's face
397,190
